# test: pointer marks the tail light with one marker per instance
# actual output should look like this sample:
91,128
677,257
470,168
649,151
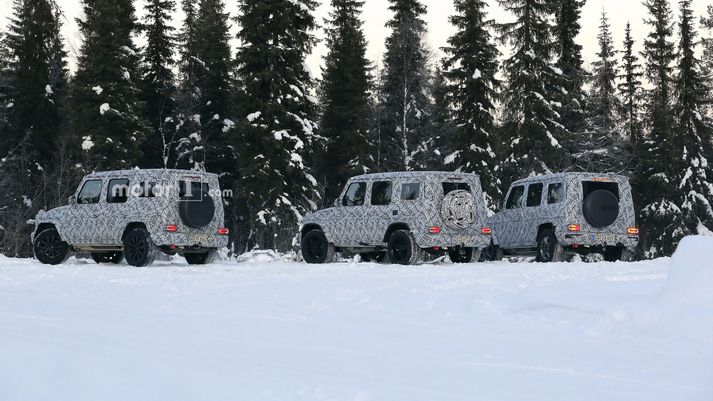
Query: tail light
486,230
434,230
632,230
171,228
574,227
223,231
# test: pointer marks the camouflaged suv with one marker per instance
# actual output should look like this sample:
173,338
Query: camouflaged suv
135,214
399,215
553,215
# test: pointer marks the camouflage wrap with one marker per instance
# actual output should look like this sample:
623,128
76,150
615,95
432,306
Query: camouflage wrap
518,228
367,225
102,224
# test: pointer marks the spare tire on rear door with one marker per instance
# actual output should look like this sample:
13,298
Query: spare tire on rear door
458,209
601,208
197,211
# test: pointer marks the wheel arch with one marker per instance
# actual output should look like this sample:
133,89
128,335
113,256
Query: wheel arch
395,227
132,226
309,227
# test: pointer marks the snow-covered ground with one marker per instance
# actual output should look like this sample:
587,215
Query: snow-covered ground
260,330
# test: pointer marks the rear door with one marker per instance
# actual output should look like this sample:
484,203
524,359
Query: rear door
532,216
380,213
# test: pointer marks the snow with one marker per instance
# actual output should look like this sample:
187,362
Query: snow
269,329
48,90
98,90
104,108
477,74
87,143
254,116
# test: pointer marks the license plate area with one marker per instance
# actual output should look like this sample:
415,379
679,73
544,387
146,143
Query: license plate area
463,239
198,237
605,238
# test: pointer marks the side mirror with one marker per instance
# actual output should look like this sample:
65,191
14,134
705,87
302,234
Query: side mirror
336,202
72,200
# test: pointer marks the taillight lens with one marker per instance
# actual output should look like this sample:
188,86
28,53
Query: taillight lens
574,227
632,230
223,231
486,230
172,228
434,230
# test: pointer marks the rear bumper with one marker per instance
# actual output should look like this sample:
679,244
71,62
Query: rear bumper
191,240
597,239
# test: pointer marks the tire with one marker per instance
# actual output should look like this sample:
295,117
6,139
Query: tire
315,248
197,212
492,253
461,254
548,248
402,248
202,258
601,208
376,257
49,248
108,257
139,249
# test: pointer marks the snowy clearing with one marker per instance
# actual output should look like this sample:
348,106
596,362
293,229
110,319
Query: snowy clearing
261,330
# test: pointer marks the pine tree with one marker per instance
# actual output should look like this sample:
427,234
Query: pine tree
706,64
33,80
471,66
345,99
660,161
533,125
694,145
569,62
604,148
442,126
277,133
158,80
107,111
405,118
630,90
207,147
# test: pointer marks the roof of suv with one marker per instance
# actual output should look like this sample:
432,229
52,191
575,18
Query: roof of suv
146,172
408,174
575,175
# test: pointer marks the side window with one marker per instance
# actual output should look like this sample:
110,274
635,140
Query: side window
355,194
534,195
381,193
147,190
555,193
118,191
410,191
516,196
90,193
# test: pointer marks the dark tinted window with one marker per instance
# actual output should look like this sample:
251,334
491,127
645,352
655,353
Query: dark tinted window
410,191
591,186
555,193
355,194
381,193
534,195
146,189
449,187
118,191
90,193
516,196
192,189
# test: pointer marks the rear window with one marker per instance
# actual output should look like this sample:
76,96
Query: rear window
118,191
591,186
192,189
449,187
381,193
147,190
